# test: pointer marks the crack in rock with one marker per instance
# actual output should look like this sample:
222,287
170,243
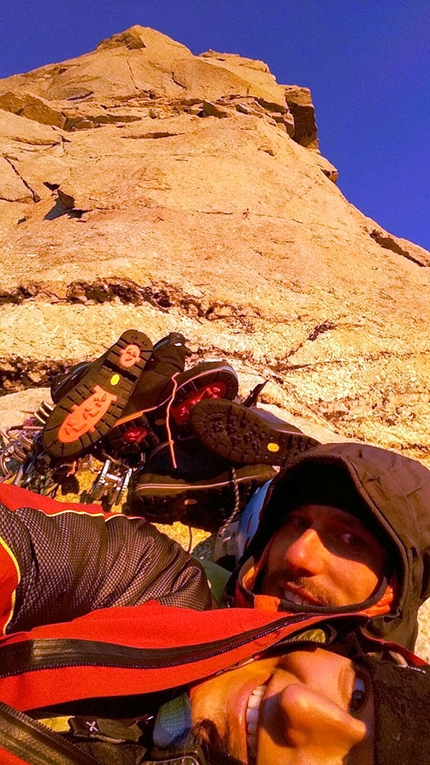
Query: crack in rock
283,365
389,243
161,296
132,74
18,374
326,326
156,134
34,195
180,84
25,292
320,329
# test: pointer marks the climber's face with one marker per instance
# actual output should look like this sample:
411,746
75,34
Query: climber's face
322,556
306,706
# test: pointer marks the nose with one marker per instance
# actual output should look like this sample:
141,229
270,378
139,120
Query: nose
312,721
306,555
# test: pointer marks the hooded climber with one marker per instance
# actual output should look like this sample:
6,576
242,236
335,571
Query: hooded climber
343,525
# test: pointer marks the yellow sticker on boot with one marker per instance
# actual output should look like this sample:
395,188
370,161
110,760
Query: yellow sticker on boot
273,447
114,380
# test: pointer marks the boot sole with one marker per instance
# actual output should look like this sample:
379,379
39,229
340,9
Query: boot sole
93,406
238,434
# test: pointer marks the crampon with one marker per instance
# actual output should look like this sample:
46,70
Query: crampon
24,462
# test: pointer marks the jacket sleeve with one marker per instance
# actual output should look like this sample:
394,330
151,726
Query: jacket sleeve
59,566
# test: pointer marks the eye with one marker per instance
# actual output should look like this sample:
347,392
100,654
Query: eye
359,695
297,521
353,541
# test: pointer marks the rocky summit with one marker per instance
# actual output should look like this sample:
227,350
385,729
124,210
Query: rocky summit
141,185
144,186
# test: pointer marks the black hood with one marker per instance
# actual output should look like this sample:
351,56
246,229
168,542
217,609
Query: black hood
393,495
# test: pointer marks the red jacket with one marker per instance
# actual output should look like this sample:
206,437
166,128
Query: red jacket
62,560
130,651
123,651
133,650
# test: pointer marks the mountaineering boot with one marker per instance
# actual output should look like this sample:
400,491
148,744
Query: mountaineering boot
168,356
93,405
167,401
131,441
168,353
63,383
203,491
247,435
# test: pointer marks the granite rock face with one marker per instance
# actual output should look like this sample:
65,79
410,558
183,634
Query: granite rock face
144,186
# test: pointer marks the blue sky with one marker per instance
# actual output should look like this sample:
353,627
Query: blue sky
367,63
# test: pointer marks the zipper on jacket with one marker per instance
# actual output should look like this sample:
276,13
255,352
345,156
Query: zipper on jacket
19,658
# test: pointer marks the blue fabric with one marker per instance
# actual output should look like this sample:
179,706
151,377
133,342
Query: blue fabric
173,722
249,519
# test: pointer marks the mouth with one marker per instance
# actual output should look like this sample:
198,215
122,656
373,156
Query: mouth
252,714
298,596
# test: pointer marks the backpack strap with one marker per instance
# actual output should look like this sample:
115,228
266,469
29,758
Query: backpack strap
34,744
